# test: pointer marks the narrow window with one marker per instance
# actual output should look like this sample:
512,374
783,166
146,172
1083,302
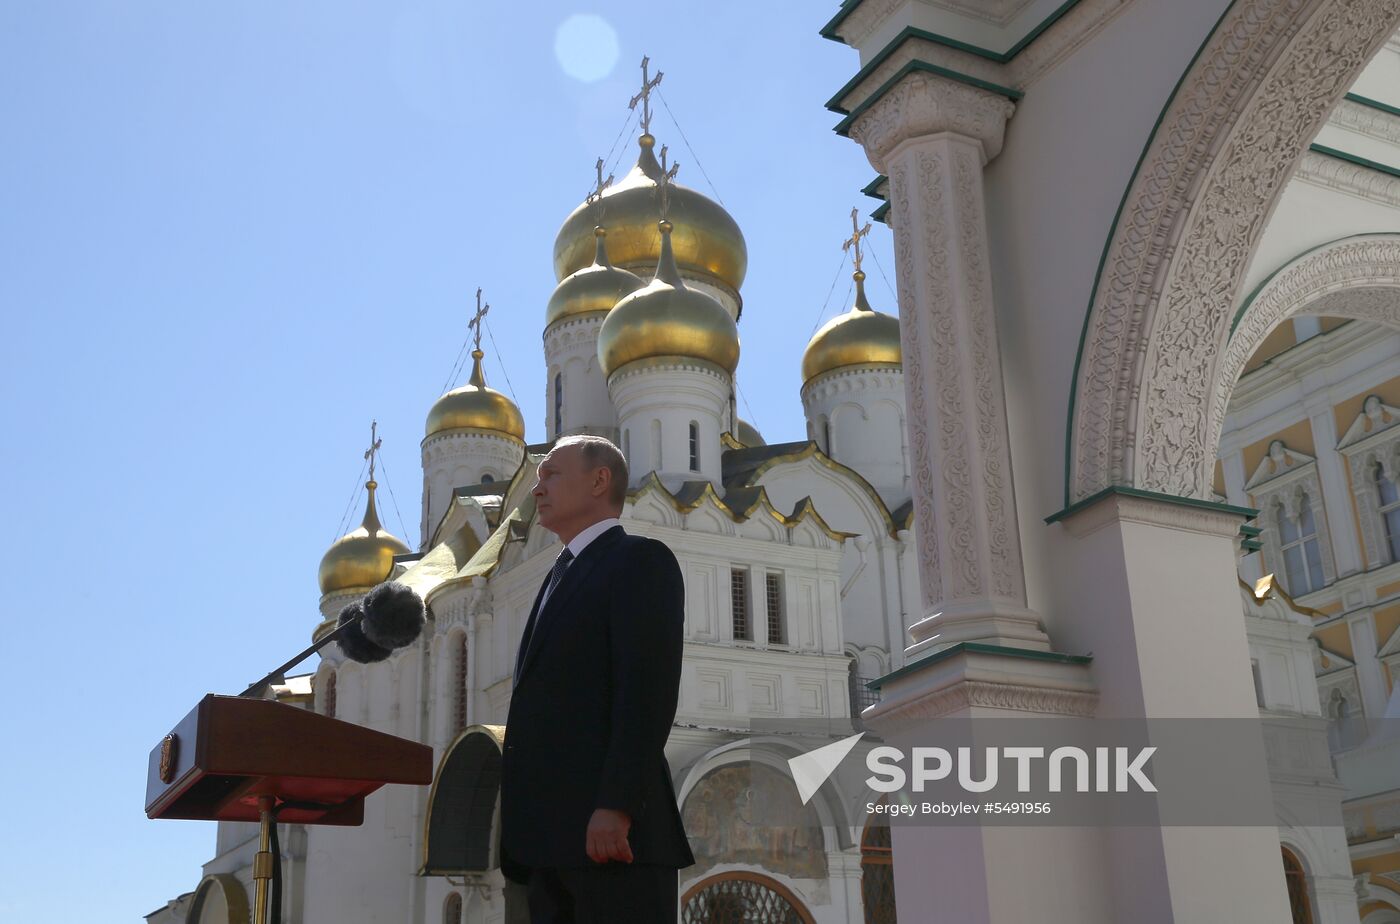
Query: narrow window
627,446
1389,511
1258,684
656,464
1302,556
330,694
459,685
826,436
739,599
1299,905
774,588
558,403
452,909
694,446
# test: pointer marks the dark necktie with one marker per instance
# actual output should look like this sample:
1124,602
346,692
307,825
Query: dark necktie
532,630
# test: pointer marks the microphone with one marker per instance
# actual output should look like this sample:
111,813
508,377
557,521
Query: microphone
390,616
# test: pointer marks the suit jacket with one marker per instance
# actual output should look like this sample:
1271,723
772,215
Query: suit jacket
594,700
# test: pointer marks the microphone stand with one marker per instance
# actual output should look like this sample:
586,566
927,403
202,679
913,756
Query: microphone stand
277,674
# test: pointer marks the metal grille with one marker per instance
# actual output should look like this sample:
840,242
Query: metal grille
459,685
330,694
739,599
774,587
739,901
862,697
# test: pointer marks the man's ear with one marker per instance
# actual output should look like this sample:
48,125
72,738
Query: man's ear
602,481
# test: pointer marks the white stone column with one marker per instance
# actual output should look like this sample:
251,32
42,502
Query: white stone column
1361,627
932,136
1336,490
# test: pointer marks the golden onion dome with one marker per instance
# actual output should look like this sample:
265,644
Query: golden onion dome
593,289
476,407
747,434
362,557
707,241
668,318
860,337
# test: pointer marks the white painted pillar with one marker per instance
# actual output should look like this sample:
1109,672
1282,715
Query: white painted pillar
932,136
1361,626
1336,490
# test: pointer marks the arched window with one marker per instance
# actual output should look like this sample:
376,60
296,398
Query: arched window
1389,510
1302,557
459,684
627,446
826,437
487,478
452,909
1298,901
877,872
330,694
741,897
694,446
558,403
656,445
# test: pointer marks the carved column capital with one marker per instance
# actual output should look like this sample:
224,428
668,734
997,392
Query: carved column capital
926,104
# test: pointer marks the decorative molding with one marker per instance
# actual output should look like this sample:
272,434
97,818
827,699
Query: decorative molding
1228,139
1366,120
1127,505
1351,179
1356,278
891,718
926,104
1376,417
1278,461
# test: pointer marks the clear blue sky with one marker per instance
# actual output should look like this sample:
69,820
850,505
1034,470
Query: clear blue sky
233,233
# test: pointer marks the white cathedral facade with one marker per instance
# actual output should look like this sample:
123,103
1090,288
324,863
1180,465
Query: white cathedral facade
1202,517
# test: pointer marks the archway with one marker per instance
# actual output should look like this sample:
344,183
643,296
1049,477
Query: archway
742,898
1159,320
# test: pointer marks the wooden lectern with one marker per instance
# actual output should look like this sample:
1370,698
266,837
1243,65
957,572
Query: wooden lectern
237,759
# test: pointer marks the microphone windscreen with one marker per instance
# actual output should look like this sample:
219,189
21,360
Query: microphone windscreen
353,641
394,615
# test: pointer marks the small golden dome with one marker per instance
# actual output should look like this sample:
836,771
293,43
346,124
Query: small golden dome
708,242
363,557
748,434
477,407
593,289
860,337
667,318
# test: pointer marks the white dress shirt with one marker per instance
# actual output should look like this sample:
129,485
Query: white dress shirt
580,542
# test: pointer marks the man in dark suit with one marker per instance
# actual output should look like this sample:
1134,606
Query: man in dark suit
588,812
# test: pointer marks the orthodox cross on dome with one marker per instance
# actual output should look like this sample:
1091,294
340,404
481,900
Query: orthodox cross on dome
374,444
663,183
644,97
475,323
854,240
595,195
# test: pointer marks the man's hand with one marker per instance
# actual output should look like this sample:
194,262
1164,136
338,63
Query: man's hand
607,836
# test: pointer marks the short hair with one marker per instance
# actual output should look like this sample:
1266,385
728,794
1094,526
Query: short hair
599,452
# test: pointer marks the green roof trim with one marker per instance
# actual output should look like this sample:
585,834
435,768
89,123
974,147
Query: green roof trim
1373,103
1108,243
872,189
951,651
880,213
844,125
828,31
848,7
1355,159
1249,532
1248,513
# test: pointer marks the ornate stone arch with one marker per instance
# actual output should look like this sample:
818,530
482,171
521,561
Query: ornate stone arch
1228,140
1356,278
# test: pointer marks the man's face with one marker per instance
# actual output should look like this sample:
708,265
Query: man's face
569,495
